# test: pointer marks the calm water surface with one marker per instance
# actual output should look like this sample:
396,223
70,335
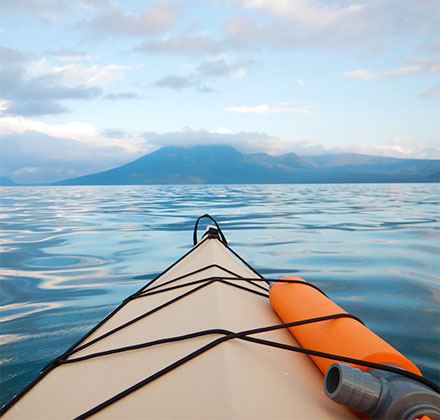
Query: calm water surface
69,255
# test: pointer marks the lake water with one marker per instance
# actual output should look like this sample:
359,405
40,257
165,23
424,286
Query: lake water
71,254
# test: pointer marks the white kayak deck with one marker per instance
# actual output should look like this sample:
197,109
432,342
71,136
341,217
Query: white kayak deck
236,379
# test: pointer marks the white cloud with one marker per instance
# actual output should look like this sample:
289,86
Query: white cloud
78,74
222,130
182,45
267,109
156,19
97,4
300,82
38,88
257,142
175,82
53,10
34,157
79,131
83,57
292,24
430,47
432,93
64,54
399,147
239,74
360,74
216,67
33,151
310,14
246,142
413,67
50,10
122,96
394,150
4,105
10,56
221,66
18,125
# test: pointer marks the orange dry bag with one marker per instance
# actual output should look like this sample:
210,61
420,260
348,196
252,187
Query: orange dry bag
343,336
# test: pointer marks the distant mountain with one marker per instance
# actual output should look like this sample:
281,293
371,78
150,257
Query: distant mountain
6,182
225,165
367,168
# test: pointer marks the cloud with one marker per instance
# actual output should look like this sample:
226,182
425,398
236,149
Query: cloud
79,57
221,66
78,74
300,82
258,142
116,133
39,95
247,142
78,131
10,56
38,88
48,10
182,45
432,93
97,4
361,74
54,9
4,105
152,20
121,96
34,151
18,125
175,82
222,130
68,55
399,147
267,109
295,24
313,14
429,48
413,67
209,69
34,157
36,108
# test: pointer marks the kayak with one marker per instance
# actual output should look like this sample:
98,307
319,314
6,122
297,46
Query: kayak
206,340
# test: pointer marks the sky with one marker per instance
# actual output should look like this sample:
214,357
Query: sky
86,85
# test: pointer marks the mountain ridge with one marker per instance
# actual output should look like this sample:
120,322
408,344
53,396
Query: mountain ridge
216,164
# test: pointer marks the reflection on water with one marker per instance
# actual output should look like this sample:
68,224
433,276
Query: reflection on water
19,310
70,254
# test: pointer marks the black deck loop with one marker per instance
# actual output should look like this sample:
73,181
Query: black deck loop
222,237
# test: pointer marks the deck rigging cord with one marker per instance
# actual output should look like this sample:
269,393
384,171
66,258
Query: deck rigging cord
228,335
225,335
